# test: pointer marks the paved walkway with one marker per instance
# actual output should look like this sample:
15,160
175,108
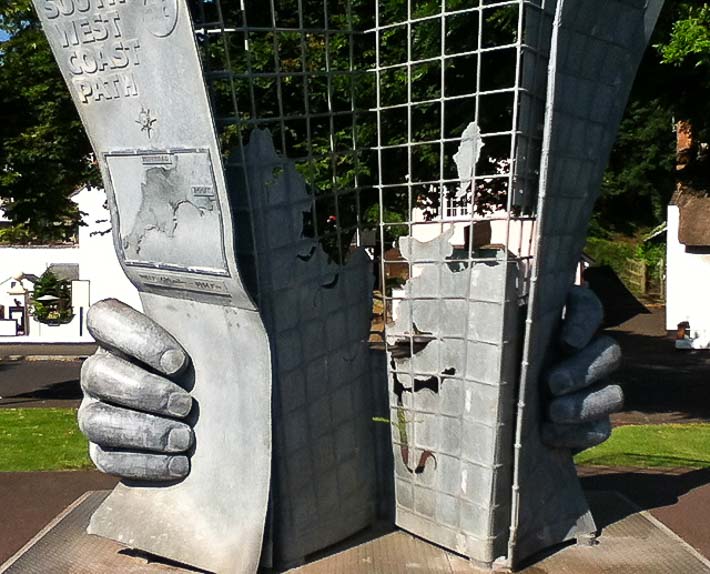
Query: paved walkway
679,498
40,384
46,350
29,500
661,385
631,542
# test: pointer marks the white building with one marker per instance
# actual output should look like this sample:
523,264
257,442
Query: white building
91,265
688,268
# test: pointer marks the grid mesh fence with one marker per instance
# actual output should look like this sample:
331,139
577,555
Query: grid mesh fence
411,129
459,131
285,78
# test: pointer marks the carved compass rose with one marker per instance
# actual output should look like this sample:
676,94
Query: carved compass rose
146,121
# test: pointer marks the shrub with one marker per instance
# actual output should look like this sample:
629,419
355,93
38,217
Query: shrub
55,312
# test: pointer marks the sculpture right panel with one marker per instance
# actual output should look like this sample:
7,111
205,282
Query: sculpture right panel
596,50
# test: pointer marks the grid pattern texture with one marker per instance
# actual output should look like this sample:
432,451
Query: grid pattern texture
598,47
317,315
403,117
460,100
283,80
414,129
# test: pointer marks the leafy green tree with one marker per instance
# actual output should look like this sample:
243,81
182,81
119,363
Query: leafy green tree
673,84
44,153
686,50
640,178
320,72
690,37
57,308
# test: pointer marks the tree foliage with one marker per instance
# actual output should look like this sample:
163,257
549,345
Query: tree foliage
319,106
44,153
690,37
673,84
55,311
640,176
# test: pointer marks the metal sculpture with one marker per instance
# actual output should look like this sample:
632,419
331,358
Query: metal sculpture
488,468
424,123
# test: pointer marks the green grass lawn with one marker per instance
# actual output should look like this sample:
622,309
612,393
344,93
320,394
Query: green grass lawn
41,439
49,439
653,446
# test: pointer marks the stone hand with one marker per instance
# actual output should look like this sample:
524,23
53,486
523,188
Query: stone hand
133,410
580,399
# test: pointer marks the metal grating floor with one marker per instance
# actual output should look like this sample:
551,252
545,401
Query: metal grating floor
631,542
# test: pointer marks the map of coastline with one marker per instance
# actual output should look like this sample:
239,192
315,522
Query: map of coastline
175,221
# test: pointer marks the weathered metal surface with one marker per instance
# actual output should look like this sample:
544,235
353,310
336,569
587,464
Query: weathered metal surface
453,481
135,76
317,314
454,342
631,542
596,50
453,362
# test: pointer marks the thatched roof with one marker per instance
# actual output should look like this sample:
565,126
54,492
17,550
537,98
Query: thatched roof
694,219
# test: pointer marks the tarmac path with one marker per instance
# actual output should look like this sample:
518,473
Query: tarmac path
26,384
679,498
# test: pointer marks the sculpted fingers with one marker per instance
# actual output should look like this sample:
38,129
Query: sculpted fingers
139,465
576,436
124,441
118,327
120,428
583,317
579,412
589,405
115,380
596,361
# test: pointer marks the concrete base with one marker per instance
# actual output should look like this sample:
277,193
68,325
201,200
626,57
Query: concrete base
631,542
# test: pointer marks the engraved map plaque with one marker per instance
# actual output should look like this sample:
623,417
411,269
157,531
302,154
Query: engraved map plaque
170,214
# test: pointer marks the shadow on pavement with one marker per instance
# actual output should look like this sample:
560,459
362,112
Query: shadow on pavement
62,391
40,384
649,490
657,378
620,304
681,500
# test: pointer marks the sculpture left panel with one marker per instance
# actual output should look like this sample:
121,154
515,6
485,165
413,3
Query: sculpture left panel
134,72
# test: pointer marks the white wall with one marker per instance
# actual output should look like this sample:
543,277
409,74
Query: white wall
688,283
97,262
35,260
517,234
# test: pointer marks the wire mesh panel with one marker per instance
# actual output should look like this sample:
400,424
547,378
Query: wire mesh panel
284,78
421,120
459,112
